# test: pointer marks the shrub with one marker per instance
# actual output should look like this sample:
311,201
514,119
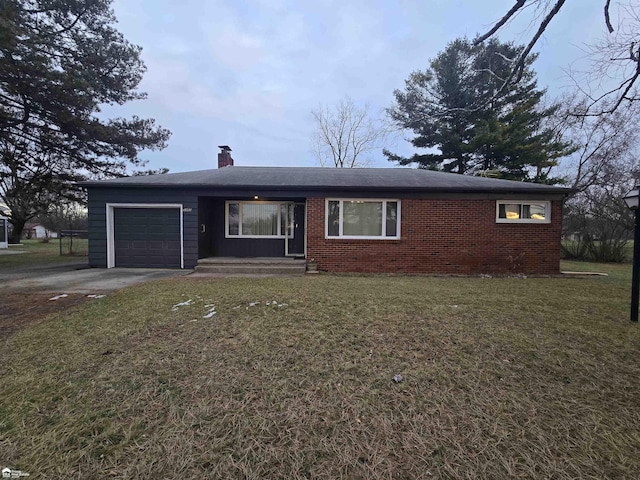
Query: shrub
574,250
608,250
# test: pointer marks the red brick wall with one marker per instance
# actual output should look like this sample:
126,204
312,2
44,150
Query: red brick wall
442,236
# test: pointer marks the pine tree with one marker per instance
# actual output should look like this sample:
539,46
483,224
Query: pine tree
454,107
60,62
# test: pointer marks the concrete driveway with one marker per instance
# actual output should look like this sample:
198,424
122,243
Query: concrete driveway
78,278
28,294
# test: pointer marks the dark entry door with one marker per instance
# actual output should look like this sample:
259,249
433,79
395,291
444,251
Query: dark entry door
147,237
205,228
296,215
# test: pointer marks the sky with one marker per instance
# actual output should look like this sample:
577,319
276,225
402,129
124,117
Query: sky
248,73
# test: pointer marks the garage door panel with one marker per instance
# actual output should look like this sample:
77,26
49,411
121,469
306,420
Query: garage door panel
147,237
137,232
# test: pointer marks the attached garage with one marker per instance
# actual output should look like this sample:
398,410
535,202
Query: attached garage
145,236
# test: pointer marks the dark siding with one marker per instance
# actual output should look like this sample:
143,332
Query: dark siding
99,197
97,229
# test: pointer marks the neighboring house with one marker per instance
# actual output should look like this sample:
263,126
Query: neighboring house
35,230
4,232
574,236
392,220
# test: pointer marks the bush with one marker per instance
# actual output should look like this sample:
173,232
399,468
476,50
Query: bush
608,250
574,250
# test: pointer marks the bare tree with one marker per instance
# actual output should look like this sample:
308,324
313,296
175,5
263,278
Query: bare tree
600,218
345,134
600,169
31,182
605,146
65,215
616,57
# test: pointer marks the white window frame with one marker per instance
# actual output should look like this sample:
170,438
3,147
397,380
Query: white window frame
288,234
362,237
546,203
5,229
111,249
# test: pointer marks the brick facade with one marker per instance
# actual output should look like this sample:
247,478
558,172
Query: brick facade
442,236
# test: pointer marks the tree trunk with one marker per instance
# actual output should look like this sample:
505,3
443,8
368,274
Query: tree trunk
16,231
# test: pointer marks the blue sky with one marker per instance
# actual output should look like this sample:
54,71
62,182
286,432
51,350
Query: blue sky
248,73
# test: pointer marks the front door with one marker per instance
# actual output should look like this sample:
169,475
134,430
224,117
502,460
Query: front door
295,232
205,228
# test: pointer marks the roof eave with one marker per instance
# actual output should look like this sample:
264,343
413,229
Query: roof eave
359,188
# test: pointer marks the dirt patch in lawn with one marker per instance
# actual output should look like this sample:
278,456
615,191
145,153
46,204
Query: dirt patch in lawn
21,310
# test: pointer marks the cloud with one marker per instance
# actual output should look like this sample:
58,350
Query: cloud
236,49
248,73
181,90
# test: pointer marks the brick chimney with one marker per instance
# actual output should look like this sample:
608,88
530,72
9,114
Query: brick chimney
224,157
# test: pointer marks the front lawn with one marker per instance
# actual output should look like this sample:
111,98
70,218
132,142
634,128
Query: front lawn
37,253
292,378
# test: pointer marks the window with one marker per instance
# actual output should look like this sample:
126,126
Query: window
259,219
372,219
509,211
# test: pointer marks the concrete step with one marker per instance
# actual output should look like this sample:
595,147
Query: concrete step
251,266
251,261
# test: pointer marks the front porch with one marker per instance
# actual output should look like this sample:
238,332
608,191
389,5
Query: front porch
254,227
252,266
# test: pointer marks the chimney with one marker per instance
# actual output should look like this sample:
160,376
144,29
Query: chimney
224,157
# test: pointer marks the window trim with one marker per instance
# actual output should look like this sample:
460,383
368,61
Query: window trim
287,235
341,236
547,204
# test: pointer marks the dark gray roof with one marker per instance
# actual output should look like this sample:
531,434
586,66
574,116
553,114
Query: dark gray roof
316,178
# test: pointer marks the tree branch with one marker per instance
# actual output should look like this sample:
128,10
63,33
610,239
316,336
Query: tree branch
607,19
518,70
519,4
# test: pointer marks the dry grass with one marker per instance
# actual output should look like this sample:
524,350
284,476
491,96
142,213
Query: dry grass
39,253
503,378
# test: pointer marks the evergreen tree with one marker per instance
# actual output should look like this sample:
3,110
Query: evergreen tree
454,107
60,62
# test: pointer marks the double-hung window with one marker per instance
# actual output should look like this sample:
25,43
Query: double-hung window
258,220
510,211
363,219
